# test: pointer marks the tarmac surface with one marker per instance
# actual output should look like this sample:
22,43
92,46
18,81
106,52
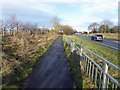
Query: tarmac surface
51,71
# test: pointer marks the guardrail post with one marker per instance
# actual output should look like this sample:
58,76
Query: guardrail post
104,75
96,72
91,69
92,72
66,39
80,55
73,46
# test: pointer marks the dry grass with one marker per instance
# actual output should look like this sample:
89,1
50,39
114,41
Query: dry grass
21,52
112,35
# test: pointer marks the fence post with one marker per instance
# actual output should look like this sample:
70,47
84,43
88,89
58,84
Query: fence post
67,40
73,46
80,56
104,75
92,72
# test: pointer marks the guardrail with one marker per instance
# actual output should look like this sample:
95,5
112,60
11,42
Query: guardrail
98,74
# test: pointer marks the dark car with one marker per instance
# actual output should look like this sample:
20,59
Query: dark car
97,37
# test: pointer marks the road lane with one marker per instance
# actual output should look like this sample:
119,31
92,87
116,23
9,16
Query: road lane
106,42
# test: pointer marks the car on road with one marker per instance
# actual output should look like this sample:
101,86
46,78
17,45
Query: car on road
97,37
60,32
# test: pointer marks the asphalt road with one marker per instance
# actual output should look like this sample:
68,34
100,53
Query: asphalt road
51,70
106,42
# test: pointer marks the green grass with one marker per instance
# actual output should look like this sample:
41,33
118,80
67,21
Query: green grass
105,52
80,78
10,87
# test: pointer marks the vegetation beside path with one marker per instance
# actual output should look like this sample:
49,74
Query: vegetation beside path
81,79
20,53
105,52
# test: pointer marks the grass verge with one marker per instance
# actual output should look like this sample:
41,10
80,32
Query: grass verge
105,52
80,78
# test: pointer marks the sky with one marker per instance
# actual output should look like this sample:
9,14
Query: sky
76,13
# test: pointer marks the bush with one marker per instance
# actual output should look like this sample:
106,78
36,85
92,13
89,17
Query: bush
68,30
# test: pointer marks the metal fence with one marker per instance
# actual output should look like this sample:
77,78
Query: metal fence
98,74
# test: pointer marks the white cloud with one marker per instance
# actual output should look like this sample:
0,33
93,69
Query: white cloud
90,10
67,1
44,7
1,10
33,5
115,20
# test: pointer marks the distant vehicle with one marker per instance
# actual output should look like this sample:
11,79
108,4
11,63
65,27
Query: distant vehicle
97,37
60,32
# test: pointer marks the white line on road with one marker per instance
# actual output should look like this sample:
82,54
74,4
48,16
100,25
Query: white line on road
117,41
107,46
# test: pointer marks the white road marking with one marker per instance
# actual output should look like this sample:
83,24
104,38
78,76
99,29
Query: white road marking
107,46
117,41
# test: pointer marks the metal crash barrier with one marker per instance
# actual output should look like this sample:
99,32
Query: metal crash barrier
99,75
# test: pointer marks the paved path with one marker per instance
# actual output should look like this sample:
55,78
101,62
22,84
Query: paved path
51,70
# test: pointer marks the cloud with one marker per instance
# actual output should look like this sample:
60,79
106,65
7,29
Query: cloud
39,6
44,7
115,20
78,13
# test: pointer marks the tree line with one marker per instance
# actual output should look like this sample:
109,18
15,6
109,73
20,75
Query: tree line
106,26
12,27
60,28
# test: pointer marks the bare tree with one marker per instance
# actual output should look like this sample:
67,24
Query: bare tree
29,27
68,30
13,25
4,27
1,27
93,27
56,24
107,25
103,28
114,29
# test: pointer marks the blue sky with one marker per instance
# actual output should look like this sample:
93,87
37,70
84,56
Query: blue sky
76,13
